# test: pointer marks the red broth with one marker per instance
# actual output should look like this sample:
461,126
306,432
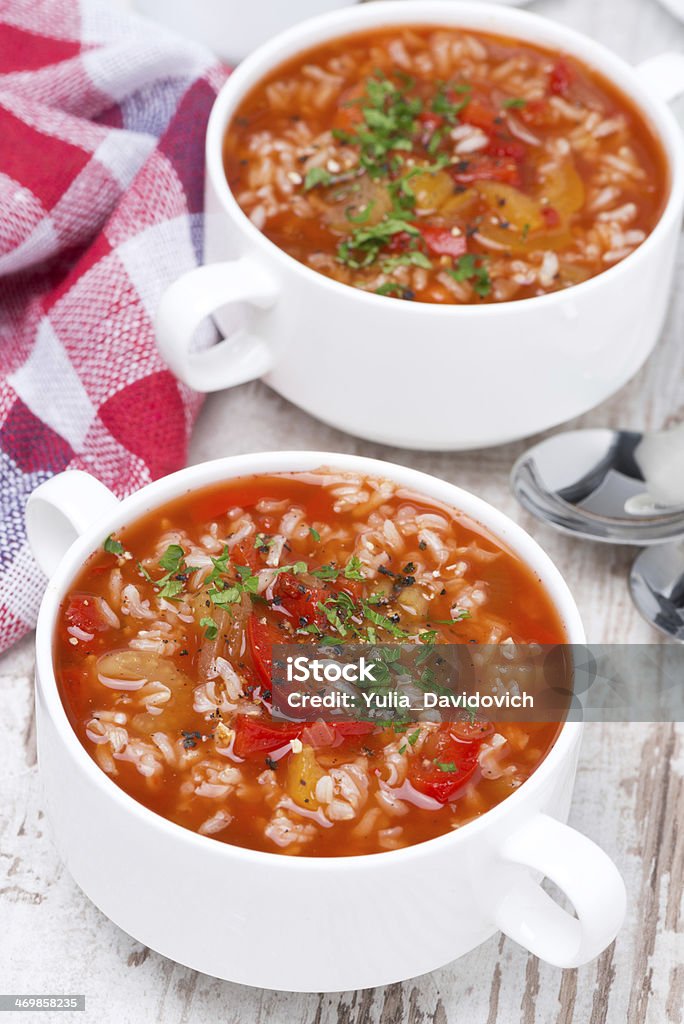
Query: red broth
162,656
441,165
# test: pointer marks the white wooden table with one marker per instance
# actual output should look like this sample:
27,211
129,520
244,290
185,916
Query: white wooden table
629,790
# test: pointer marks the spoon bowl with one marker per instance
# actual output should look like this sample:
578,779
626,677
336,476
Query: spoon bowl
675,7
589,483
656,582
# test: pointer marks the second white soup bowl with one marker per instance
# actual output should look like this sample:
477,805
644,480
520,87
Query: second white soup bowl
421,375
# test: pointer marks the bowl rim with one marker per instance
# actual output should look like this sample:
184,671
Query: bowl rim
153,495
488,17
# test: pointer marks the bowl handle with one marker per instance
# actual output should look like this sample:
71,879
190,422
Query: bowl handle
60,510
195,296
663,75
584,873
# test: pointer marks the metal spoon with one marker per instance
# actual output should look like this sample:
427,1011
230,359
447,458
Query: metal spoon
675,7
656,583
588,483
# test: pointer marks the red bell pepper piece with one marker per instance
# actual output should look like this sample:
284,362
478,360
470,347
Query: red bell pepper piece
442,242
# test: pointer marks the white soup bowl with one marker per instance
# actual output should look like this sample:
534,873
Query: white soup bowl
414,374
311,923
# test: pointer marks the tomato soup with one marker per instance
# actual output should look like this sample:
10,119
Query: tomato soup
163,656
442,165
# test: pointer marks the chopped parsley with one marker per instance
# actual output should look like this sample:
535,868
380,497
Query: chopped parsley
220,565
412,740
171,588
249,582
362,216
352,570
172,583
172,558
388,127
113,547
383,621
332,615
316,176
392,123
445,766
365,244
446,107
224,591
391,288
325,572
473,268
357,619
296,569
407,259
460,615
398,135
226,595
315,534
388,124
210,627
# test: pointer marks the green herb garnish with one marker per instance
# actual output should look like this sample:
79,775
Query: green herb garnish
171,588
316,176
220,565
172,583
391,288
445,107
362,216
210,627
461,614
383,621
248,581
388,123
226,595
113,547
172,559
352,570
332,615
472,268
407,259
325,572
364,245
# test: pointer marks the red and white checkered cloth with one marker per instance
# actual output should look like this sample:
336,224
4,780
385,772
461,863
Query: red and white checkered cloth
102,119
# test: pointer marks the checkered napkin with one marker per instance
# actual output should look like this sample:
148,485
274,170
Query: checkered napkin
102,118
